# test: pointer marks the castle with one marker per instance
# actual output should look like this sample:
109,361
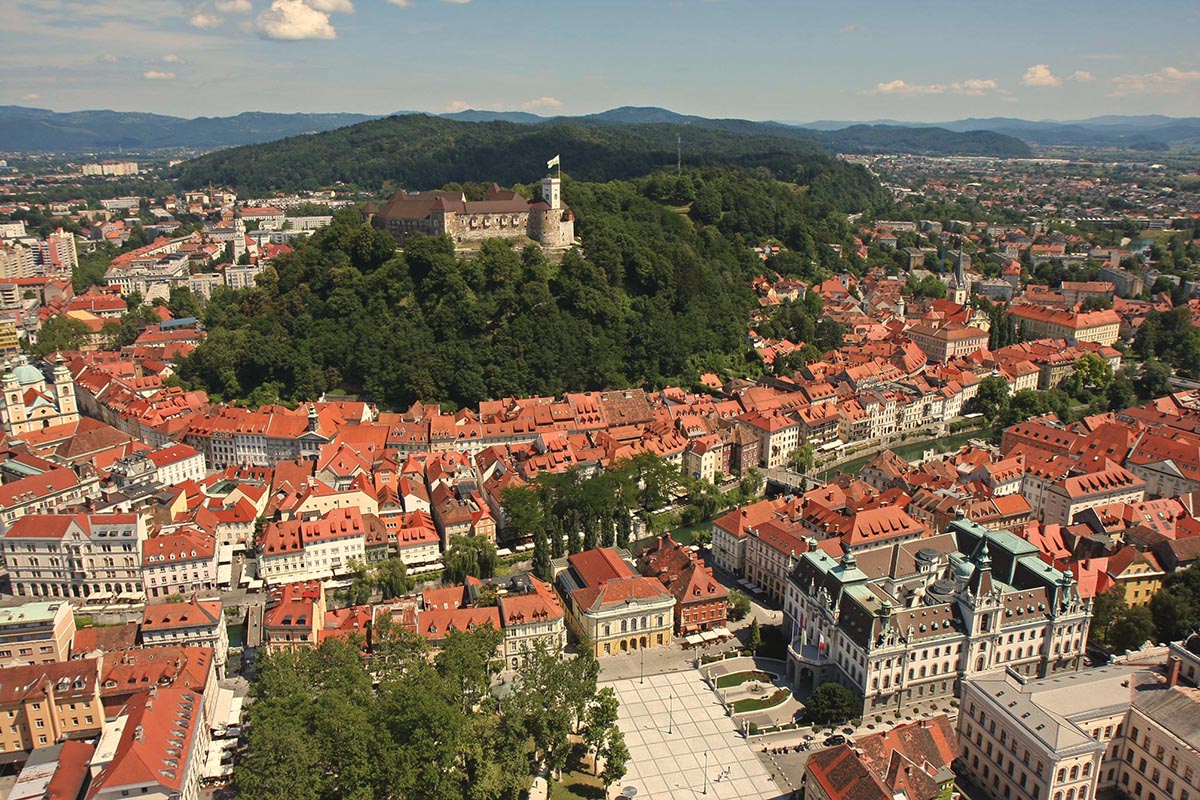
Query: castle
501,214
31,403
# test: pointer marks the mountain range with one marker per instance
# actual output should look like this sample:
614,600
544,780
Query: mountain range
41,130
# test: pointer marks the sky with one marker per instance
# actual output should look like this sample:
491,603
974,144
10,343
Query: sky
793,60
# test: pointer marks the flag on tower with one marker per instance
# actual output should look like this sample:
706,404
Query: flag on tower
552,162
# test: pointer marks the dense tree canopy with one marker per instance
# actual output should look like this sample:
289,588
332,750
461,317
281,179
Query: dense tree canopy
428,729
658,298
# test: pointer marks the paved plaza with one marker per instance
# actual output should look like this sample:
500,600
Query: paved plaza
670,721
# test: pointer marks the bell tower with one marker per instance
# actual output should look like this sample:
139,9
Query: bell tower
64,391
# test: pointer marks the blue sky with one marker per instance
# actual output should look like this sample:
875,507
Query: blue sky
758,59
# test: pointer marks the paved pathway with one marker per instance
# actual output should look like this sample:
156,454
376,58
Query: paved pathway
673,724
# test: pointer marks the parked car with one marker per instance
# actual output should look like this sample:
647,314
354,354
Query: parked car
835,740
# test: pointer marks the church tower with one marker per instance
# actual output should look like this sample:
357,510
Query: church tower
14,405
552,192
64,392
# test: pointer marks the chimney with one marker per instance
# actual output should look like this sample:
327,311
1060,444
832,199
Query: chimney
1174,663
138,735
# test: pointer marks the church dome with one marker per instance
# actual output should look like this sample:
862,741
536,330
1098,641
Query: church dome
27,374
964,571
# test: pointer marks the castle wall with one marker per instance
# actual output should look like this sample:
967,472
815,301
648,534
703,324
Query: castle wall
479,227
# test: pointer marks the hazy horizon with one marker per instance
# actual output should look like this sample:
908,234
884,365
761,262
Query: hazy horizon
770,59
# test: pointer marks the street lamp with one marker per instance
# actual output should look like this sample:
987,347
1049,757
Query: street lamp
705,773
670,714
642,669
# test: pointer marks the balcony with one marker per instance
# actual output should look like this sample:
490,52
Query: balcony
808,654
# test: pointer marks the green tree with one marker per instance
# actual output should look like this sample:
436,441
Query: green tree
1132,629
362,584
754,638
541,557
739,605
60,333
601,721
616,759
469,555
1107,608
802,458
1154,380
392,579
831,703
992,396
1175,607
1121,393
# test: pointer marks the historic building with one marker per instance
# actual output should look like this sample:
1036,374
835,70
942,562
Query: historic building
612,606
501,214
32,403
1123,728
906,623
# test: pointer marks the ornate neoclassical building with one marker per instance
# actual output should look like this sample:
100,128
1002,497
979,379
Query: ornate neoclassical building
905,623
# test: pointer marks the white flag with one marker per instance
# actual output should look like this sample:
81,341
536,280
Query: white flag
552,162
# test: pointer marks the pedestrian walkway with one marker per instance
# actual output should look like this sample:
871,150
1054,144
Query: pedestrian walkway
682,744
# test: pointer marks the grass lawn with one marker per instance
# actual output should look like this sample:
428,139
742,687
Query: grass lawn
581,785
756,704
738,678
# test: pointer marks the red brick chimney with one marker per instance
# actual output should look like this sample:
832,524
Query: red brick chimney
1173,666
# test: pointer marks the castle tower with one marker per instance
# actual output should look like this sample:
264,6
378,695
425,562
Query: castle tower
552,192
64,391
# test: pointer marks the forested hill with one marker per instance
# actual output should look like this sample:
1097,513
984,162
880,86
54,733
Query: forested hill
660,297
421,152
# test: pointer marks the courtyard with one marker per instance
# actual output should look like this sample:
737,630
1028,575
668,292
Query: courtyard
674,725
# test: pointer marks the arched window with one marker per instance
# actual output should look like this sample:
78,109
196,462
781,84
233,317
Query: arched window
1062,775
1074,772
1087,769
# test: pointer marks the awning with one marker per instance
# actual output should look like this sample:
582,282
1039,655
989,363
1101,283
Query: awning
722,632
694,639
221,708
235,711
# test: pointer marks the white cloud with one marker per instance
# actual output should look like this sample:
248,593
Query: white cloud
457,105
293,20
1040,75
401,3
155,75
332,6
457,2
1082,75
902,87
849,29
234,6
171,58
972,87
31,96
202,19
1168,80
542,102
109,58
